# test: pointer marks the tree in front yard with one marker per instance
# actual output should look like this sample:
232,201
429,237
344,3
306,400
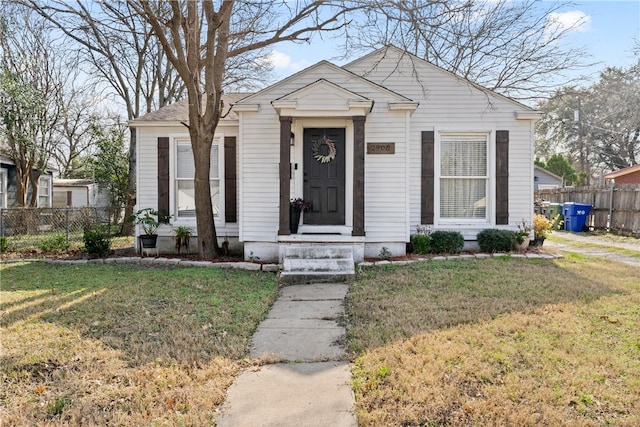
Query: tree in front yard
199,40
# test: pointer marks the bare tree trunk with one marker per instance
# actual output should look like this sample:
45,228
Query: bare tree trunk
207,236
34,179
22,186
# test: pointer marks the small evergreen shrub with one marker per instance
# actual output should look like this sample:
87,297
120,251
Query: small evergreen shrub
421,243
446,242
4,244
57,243
96,243
492,240
385,253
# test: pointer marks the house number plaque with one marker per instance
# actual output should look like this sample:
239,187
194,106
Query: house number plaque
381,148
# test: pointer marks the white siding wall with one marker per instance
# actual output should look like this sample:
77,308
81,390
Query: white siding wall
450,104
259,175
147,184
385,189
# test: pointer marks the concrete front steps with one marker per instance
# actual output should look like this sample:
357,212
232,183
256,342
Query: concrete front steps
314,263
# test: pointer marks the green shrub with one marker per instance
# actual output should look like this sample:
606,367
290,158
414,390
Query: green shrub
96,243
493,240
385,253
57,243
446,242
4,244
421,243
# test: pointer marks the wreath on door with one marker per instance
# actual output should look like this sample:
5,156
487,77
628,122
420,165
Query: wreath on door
318,153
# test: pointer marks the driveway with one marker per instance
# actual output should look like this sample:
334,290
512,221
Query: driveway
596,245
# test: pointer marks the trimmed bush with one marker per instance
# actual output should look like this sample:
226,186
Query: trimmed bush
57,243
446,242
96,243
421,243
493,240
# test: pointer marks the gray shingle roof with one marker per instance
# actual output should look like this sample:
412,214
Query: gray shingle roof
179,111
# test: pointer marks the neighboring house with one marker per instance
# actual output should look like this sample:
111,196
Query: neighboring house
629,175
378,146
78,193
545,180
8,186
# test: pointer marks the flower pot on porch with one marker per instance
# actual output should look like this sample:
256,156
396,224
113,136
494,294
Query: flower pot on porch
294,220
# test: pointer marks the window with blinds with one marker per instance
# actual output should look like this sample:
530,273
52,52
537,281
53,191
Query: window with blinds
463,176
185,188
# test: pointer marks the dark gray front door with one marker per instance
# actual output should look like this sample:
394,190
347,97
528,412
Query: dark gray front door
324,175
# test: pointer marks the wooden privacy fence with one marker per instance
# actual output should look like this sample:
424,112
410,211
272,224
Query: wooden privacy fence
621,201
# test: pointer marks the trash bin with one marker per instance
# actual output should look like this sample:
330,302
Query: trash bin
575,215
554,214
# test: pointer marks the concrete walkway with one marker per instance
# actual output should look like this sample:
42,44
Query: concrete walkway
598,247
310,386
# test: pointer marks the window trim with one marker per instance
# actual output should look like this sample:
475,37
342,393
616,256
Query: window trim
489,219
4,176
49,195
174,141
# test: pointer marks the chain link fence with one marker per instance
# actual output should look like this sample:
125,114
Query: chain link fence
46,229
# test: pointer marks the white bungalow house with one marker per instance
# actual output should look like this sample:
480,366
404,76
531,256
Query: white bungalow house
378,146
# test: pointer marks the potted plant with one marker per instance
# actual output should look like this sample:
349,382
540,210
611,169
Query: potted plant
150,220
523,236
296,206
541,229
182,236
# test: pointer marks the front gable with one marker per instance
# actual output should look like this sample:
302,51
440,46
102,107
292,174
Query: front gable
325,87
324,98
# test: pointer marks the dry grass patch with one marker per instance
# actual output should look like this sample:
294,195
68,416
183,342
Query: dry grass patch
497,342
107,345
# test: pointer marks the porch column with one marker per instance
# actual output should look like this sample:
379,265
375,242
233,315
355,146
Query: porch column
358,176
285,175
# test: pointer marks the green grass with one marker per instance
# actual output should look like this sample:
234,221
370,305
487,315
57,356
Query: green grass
497,342
124,345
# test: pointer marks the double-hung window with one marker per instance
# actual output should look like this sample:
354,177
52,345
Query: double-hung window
464,177
185,205
44,191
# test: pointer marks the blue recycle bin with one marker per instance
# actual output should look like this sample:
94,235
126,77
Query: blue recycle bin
575,215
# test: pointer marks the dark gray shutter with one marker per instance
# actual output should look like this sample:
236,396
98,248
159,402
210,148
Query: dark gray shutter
163,175
230,183
427,181
502,177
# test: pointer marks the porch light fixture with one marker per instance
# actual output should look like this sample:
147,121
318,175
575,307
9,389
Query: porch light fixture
293,139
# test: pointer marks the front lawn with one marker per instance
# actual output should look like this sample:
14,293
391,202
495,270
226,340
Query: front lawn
123,345
497,342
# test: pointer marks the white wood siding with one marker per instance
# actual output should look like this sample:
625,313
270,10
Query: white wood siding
451,104
147,180
385,178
